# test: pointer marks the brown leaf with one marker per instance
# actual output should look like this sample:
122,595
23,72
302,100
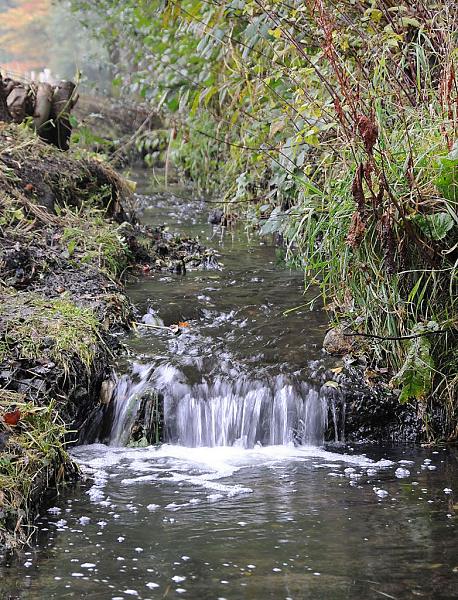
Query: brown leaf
356,232
12,418
368,130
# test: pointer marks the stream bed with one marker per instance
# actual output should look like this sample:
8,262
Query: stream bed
244,501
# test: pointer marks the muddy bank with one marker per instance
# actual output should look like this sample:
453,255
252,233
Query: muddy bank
68,239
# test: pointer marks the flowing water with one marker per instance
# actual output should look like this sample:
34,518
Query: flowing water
244,501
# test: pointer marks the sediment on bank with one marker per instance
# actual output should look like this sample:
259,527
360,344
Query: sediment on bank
68,237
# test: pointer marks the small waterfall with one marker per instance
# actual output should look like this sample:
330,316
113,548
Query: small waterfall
126,401
225,411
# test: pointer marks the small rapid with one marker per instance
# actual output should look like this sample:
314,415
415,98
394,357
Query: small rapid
243,369
222,412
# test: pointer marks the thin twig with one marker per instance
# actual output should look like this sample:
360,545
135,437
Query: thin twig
394,339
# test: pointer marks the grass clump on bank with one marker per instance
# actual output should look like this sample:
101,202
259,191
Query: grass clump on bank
32,326
32,458
95,241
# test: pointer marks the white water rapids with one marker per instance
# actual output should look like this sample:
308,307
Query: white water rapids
226,411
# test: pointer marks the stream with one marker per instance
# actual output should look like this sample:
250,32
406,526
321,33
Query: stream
244,499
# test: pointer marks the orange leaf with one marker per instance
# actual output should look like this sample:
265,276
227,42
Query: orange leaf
183,324
12,418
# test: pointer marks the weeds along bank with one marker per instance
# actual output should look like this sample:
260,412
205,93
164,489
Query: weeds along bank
332,124
62,250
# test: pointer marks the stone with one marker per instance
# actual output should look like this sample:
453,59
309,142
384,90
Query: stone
336,342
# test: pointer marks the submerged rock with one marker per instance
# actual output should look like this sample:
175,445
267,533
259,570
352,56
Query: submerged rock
216,216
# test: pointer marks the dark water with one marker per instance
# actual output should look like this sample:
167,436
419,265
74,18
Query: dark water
280,522
231,523
235,313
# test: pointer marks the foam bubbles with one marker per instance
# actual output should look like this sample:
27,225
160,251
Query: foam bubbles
401,473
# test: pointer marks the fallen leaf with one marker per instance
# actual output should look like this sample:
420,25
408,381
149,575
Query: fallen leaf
370,376
12,418
28,187
331,384
337,370
183,324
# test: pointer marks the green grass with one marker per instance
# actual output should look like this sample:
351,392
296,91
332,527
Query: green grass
33,327
91,239
33,458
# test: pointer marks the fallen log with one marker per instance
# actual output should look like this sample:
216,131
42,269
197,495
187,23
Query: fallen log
48,106
58,129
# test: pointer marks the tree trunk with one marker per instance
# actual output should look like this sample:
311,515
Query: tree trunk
58,132
44,93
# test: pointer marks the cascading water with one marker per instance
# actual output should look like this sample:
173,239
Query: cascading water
239,374
243,411
126,396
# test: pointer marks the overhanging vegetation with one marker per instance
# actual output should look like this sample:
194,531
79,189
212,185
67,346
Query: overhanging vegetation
333,125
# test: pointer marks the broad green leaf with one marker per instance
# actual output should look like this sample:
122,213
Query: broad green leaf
435,226
274,222
447,179
416,375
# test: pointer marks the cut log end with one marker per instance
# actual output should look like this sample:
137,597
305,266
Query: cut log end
48,106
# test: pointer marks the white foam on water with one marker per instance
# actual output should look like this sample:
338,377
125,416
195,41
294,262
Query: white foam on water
203,468
224,460
401,473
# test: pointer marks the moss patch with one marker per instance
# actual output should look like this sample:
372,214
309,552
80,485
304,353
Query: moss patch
32,327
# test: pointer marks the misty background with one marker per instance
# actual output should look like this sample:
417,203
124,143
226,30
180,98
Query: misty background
46,34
